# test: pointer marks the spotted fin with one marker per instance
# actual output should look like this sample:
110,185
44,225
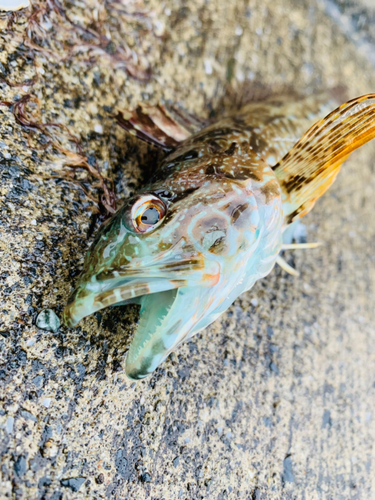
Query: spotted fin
158,125
312,165
277,122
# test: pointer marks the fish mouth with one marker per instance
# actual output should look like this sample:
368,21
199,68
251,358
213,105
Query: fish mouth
116,287
173,298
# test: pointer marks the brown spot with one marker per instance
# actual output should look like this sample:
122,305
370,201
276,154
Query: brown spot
245,146
164,246
211,170
252,174
238,211
278,103
214,146
238,175
270,190
226,206
295,182
250,128
218,246
183,194
189,155
291,216
257,142
232,149
192,264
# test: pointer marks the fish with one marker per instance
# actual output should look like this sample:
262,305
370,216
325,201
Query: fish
210,221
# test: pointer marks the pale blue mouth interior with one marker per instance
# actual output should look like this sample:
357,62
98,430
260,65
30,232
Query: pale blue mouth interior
155,334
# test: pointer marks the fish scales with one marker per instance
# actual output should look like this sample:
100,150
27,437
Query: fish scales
210,222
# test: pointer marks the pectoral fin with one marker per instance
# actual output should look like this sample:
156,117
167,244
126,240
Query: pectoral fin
312,165
158,125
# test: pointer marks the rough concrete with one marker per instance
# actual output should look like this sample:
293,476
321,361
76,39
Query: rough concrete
273,401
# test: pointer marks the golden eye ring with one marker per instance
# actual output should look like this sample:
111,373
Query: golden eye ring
147,213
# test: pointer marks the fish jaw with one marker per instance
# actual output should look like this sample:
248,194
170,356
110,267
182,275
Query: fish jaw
159,330
168,319
170,308
116,287
87,300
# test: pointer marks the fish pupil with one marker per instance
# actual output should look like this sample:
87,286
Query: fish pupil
150,216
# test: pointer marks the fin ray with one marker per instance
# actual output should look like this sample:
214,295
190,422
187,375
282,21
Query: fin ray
312,165
280,120
158,125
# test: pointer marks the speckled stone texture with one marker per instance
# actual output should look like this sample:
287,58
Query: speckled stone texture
276,400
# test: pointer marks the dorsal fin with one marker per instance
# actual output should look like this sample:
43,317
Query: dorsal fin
158,125
312,165
280,120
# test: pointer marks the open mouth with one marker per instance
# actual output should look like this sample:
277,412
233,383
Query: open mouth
169,295
116,287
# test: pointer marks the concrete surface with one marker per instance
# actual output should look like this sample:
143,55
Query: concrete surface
275,400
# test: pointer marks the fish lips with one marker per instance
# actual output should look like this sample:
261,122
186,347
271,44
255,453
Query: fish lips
116,287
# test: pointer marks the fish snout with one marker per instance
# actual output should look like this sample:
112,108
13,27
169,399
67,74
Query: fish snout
112,287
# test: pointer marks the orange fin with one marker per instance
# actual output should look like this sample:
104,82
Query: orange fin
312,165
159,126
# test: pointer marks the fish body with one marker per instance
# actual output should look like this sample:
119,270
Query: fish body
210,222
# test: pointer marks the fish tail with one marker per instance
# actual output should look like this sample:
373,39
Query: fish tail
311,166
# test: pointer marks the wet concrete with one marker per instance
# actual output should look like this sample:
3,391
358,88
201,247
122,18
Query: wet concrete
274,400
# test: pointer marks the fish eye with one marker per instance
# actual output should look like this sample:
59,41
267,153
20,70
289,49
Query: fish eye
147,213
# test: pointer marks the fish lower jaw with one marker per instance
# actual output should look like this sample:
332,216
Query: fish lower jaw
133,368
153,334
134,351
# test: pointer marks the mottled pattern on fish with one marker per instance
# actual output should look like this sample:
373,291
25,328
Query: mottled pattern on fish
210,222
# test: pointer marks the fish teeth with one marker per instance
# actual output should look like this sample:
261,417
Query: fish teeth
142,323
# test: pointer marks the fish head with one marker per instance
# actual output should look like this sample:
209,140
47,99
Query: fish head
179,252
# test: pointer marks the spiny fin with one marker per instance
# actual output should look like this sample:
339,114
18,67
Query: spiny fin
237,95
312,165
277,116
159,126
279,121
